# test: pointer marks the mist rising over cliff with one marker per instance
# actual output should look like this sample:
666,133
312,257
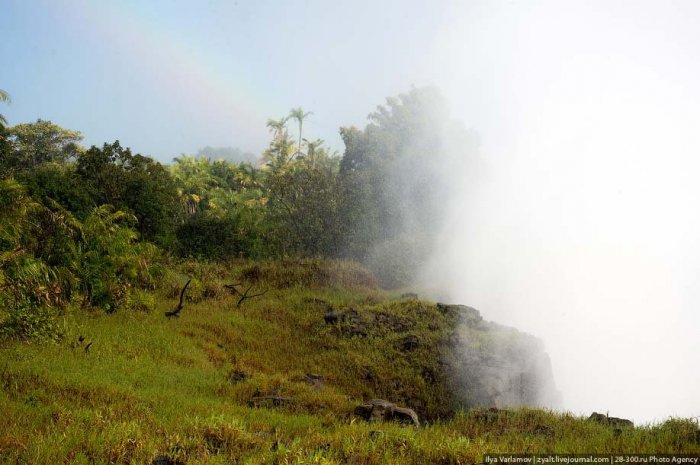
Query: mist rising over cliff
583,226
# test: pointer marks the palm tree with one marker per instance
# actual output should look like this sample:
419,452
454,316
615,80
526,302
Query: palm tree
278,127
194,181
312,148
4,97
299,115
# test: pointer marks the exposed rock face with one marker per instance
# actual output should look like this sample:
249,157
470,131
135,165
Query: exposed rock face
382,410
351,323
493,365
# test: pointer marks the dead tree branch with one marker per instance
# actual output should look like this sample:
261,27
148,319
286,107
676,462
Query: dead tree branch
178,309
245,295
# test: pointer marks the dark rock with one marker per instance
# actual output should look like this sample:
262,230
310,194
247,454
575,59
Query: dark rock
368,373
383,410
331,317
274,401
314,380
238,376
404,415
409,343
351,324
544,430
621,422
610,421
392,322
468,315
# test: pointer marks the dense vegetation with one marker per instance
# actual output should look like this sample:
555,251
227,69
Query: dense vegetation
92,223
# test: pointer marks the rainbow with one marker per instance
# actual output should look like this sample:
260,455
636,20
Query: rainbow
160,50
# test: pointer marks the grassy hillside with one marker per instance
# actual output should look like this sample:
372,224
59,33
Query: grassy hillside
274,380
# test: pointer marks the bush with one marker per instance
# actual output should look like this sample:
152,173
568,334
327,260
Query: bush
26,321
140,301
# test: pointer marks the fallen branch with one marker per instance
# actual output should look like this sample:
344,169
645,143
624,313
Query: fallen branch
245,296
178,309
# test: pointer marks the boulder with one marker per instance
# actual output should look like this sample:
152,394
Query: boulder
383,410
544,430
468,315
408,343
331,317
611,421
351,324
238,376
392,323
272,400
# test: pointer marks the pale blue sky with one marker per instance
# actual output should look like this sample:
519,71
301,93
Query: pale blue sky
167,77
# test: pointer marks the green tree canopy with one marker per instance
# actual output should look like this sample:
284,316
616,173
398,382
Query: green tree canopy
41,142
134,183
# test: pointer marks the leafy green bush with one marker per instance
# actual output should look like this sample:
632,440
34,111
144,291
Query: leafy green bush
139,300
110,259
24,320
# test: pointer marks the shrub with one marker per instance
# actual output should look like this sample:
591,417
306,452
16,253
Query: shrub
26,321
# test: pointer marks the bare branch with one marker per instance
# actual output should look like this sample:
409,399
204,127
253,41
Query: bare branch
245,296
178,309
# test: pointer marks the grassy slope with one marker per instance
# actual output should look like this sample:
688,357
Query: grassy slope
150,386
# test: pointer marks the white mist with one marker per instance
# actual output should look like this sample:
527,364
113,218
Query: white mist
583,224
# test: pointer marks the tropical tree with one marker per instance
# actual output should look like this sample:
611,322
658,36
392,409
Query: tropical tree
281,149
133,183
194,179
111,261
42,142
299,115
278,127
31,235
396,174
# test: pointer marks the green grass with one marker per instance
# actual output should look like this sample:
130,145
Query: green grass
153,386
